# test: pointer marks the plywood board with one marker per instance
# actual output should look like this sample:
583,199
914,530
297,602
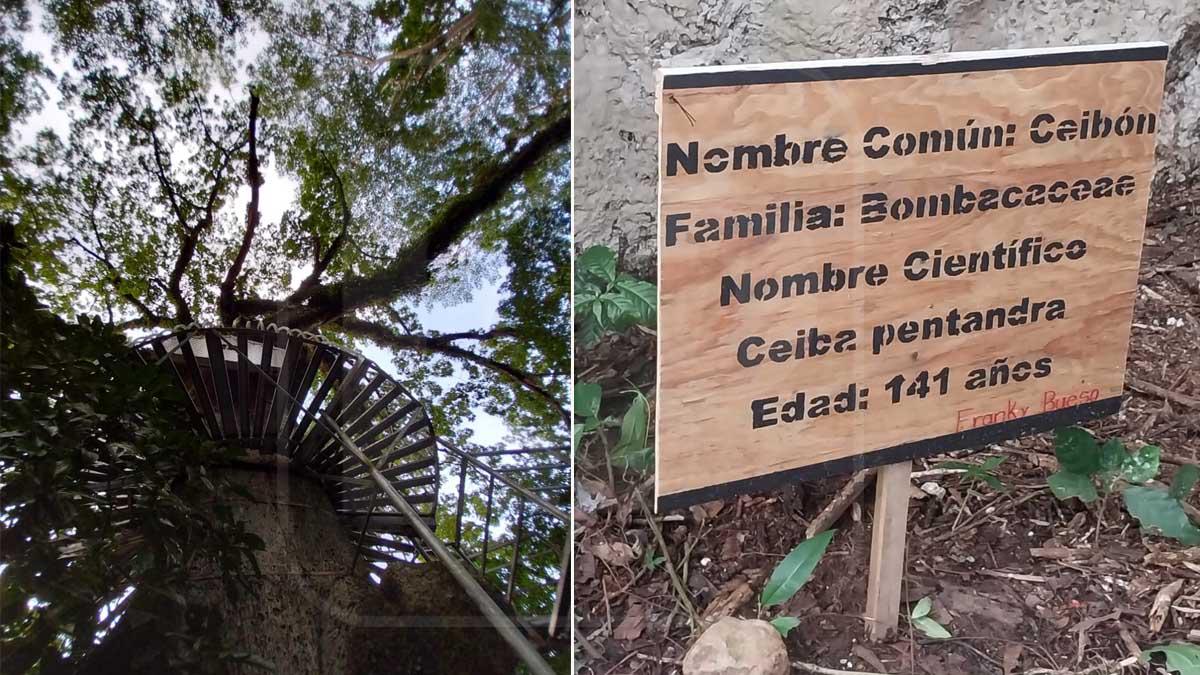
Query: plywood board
867,261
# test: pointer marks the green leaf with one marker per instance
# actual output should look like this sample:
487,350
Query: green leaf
598,262
635,460
992,482
795,569
954,464
1077,451
1066,484
587,399
641,300
1160,513
631,451
1142,465
785,624
922,608
634,424
1113,455
1184,480
588,330
991,463
1182,659
931,628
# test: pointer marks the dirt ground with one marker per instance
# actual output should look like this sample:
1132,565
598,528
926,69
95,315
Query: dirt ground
1022,581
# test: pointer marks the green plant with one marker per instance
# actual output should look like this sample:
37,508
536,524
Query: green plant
1089,469
652,561
586,406
791,574
1161,511
1085,465
981,472
920,619
610,301
1181,658
109,502
633,450
607,300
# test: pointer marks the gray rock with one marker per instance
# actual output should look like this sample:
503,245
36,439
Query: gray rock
737,647
619,44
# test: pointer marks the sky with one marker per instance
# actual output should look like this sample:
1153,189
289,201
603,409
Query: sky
478,313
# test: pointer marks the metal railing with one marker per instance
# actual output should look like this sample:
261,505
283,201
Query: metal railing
510,523
339,417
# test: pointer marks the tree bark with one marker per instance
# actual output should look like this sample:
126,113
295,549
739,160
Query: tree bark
313,610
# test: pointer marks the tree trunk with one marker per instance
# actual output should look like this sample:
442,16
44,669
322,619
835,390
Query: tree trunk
313,610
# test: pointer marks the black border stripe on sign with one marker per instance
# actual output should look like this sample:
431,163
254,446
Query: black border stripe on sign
972,438
728,78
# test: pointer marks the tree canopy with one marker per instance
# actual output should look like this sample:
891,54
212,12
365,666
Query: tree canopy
419,150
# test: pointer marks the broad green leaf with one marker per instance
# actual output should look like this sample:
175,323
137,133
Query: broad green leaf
1142,465
577,434
931,628
1113,455
1077,451
1182,658
631,451
922,607
1184,480
1066,484
587,399
795,569
785,624
598,262
1160,513
635,460
619,311
641,298
588,331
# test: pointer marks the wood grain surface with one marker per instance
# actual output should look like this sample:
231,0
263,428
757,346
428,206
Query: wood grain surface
706,434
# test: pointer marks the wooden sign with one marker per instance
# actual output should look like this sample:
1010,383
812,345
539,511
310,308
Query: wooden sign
866,261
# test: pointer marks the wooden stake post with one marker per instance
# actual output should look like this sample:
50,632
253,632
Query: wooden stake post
888,535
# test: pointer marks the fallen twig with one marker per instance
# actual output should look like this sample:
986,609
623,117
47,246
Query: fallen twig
1100,669
982,516
822,670
840,502
1031,578
588,647
1145,387
1161,606
680,589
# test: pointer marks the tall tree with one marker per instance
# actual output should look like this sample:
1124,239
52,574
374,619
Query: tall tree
325,166
425,141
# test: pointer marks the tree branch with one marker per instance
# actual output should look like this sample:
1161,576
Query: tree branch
191,237
409,269
254,178
160,171
458,31
323,262
115,278
498,331
443,344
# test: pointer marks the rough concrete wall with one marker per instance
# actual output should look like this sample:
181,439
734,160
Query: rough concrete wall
620,43
313,611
